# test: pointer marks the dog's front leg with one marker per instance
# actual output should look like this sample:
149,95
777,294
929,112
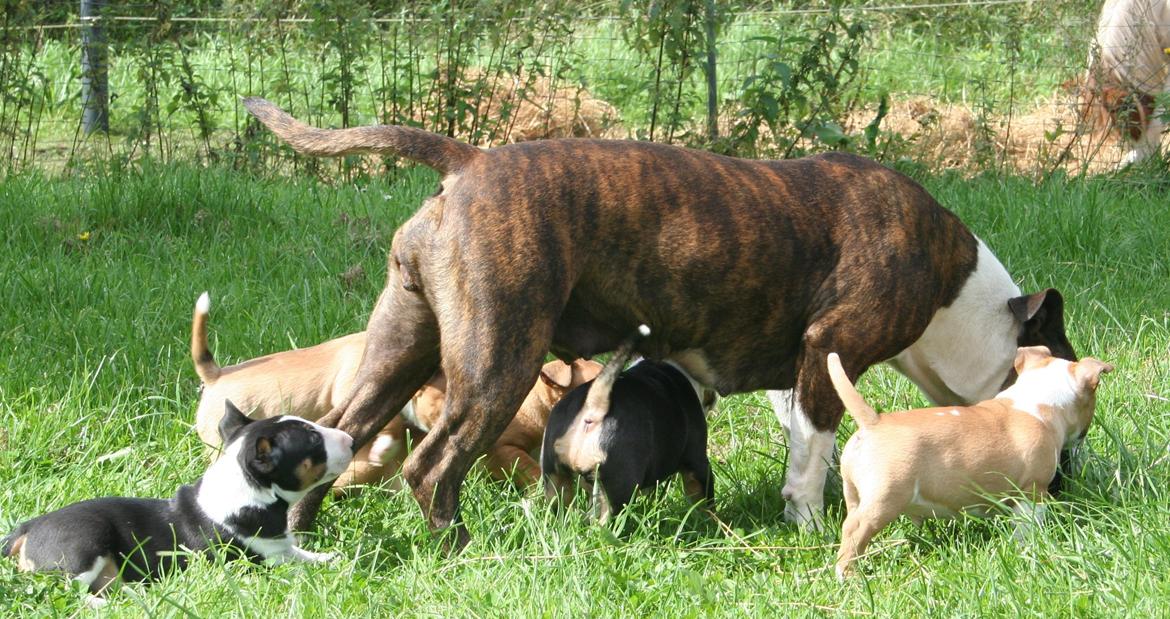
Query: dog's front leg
300,554
810,452
817,409
1028,516
285,550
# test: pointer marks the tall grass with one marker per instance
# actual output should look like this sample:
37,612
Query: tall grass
97,397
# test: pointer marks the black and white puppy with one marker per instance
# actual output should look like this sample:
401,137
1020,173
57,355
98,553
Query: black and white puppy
241,503
629,430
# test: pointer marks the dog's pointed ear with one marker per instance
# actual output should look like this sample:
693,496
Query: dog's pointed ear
232,422
1089,371
262,459
557,374
1041,320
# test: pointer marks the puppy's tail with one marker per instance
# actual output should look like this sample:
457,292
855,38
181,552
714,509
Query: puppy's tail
430,149
10,545
205,365
861,412
598,397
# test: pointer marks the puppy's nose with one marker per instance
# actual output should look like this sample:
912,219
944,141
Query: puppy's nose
347,440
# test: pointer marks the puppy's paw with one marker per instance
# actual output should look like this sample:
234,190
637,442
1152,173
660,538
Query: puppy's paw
323,557
314,557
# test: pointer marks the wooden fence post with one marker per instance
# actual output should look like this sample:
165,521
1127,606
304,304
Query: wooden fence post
95,92
712,87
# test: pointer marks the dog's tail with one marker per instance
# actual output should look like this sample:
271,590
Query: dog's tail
205,365
598,397
861,412
436,151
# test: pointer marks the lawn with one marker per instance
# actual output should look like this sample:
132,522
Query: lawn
97,397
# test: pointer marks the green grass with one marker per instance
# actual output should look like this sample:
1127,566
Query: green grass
101,272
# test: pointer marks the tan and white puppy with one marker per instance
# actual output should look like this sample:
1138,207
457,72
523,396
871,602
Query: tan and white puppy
1129,66
305,382
940,462
309,382
513,455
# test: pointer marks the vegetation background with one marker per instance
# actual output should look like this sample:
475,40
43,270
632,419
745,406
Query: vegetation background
110,237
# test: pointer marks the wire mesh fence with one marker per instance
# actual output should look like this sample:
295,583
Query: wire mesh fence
974,85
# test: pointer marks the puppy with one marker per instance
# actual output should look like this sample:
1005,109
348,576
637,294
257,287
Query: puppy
306,382
241,501
939,462
1129,66
511,456
629,431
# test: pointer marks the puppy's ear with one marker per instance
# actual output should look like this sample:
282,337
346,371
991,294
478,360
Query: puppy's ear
585,370
263,459
1041,320
232,422
710,397
1089,370
557,374
1030,357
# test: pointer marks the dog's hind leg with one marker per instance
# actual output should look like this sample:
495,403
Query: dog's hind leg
859,528
490,362
699,483
402,352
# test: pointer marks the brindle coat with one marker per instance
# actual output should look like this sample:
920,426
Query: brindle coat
747,272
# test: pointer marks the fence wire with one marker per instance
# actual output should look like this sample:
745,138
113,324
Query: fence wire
971,85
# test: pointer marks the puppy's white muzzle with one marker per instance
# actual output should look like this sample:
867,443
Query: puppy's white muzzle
338,450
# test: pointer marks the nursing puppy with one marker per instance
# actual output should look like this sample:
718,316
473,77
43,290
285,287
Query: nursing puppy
629,431
940,462
512,456
1129,66
241,502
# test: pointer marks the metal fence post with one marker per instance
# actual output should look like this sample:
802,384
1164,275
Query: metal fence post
712,87
95,93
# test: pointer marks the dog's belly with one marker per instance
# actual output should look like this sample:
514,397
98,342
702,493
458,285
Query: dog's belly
734,364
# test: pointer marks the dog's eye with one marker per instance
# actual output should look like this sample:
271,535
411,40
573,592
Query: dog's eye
314,439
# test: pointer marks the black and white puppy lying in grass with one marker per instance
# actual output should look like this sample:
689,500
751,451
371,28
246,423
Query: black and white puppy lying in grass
629,430
240,504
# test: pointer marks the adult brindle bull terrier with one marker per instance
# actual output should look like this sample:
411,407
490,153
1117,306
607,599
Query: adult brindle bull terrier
747,272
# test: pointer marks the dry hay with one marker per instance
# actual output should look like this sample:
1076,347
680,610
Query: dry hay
950,136
517,108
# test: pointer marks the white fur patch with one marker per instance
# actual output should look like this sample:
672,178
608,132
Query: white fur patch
967,349
695,385
203,305
88,577
810,454
409,415
1051,385
383,449
224,490
272,548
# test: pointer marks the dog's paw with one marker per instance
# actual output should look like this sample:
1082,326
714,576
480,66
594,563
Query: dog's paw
324,557
314,557
808,517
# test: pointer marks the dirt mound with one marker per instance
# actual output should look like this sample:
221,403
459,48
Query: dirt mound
517,108
535,108
1051,136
